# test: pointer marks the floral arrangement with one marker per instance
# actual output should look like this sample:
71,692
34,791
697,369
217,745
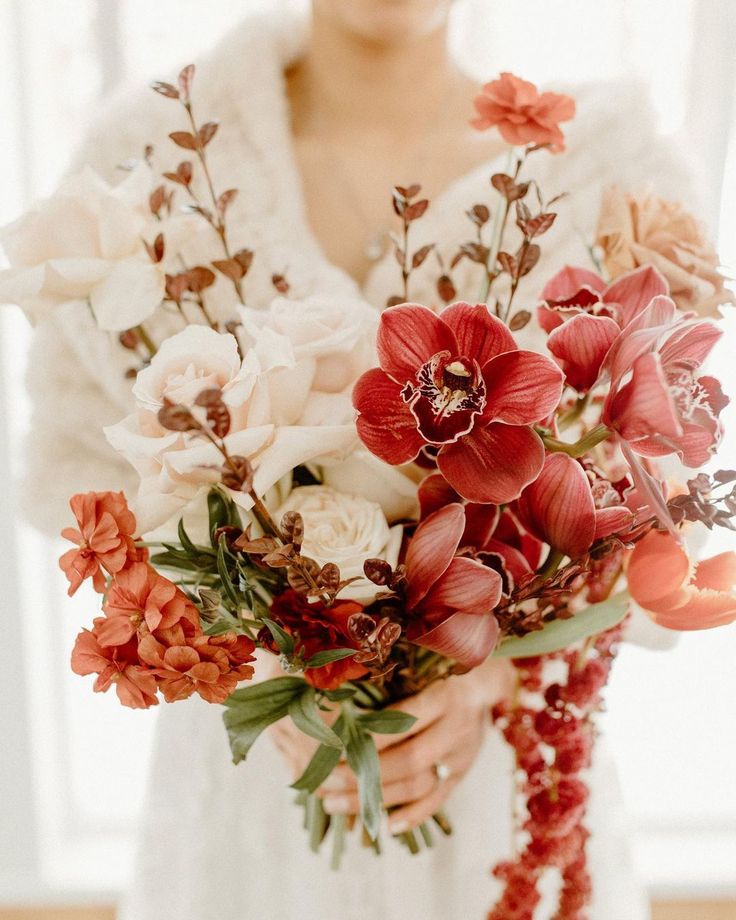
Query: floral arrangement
382,500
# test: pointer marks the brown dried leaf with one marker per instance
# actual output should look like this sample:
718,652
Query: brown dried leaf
225,200
539,224
508,188
421,254
218,415
446,289
186,76
184,139
165,89
416,210
296,578
329,578
175,417
281,557
529,259
200,278
177,286
157,199
207,132
378,571
479,214
523,214
292,527
280,283
238,474
411,192
258,547
230,268
129,339
395,300
245,257
476,252
519,320
508,263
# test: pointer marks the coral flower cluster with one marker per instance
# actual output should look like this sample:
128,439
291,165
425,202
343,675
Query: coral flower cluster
150,638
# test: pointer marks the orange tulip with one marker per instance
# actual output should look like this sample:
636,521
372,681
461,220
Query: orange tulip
678,593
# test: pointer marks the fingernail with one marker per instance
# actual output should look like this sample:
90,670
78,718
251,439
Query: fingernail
398,827
336,805
333,784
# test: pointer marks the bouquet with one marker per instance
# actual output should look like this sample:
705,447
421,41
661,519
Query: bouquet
382,500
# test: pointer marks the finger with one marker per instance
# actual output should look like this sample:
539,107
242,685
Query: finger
408,790
416,813
426,707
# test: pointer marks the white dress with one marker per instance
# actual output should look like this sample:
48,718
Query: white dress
225,843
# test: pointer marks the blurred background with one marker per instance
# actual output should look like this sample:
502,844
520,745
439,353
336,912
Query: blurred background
73,764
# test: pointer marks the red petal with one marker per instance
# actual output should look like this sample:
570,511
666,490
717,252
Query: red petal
467,586
569,281
643,407
408,336
434,493
479,335
640,336
581,344
385,425
693,343
635,290
115,630
432,548
616,519
717,573
464,637
522,387
492,465
558,506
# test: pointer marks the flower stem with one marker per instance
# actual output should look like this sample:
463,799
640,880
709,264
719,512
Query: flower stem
581,447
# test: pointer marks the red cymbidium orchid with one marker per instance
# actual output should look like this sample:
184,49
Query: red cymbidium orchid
584,316
458,382
450,598
489,531
568,509
656,402
677,593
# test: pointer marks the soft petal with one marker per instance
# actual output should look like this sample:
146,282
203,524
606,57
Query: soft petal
643,407
432,548
658,568
480,335
385,423
522,387
569,281
717,573
492,465
408,336
128,295
558,506
580,345
464,637
467,586
616,519
635,290
693,343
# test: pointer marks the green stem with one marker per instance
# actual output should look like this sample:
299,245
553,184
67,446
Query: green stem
147,340
581,447
337,825
574,414
551,563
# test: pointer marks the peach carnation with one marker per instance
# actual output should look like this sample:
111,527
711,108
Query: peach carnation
522,114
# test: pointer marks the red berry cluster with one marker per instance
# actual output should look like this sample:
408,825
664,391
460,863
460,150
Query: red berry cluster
550,727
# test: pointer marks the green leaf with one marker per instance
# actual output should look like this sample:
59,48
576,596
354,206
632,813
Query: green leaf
186,543
252,709
387,721
323,762
283,640
217,511
563,633
338,696
226,580
320,659
305,715
362,758
283,688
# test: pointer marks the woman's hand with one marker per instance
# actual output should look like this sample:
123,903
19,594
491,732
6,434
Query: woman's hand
452,716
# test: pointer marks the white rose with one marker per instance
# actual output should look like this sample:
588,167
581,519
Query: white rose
264,404
336,336
84,244
347,530
362,473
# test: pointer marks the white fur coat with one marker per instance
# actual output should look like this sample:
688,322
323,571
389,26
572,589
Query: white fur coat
76,372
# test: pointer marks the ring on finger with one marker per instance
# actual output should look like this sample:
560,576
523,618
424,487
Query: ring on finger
441,771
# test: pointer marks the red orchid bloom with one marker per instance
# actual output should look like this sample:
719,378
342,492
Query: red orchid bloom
561,508
458,382
450,598
489,531
584,316
657,403
677,593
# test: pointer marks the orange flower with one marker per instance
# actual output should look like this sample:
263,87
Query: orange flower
119,665
677,593
141,599
651,231
104,539
522,114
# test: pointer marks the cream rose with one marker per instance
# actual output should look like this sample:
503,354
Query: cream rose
634,231
85,244
335,336
347,530
266,395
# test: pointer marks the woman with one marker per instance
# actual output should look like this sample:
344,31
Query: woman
316,128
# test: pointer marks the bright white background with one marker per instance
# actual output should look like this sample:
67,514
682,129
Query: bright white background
73,764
